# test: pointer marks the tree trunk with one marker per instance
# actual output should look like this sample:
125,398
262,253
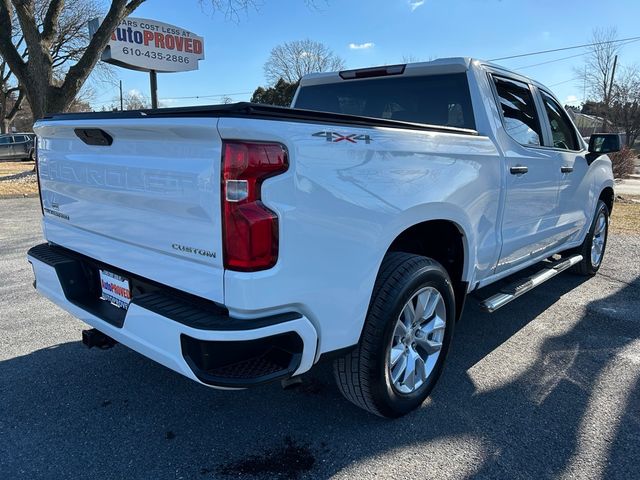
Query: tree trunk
36,73
4,125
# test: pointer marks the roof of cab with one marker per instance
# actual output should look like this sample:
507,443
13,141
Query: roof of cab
433,67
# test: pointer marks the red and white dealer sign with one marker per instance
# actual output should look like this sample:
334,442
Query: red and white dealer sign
143,44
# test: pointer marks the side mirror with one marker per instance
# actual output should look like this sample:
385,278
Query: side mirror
602,143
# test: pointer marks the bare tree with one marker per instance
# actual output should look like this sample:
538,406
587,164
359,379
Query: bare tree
11,96
411,59
233,8
292,60
67,46
134,100
36,72
624,110
598,67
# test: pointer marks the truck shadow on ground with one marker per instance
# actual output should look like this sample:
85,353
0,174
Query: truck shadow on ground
66,412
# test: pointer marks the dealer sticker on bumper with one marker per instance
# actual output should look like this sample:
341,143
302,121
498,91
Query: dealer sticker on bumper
115,289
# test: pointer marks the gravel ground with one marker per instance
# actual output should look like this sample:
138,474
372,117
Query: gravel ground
17,179
549,386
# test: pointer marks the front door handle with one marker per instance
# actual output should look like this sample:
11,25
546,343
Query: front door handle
519,170
566,169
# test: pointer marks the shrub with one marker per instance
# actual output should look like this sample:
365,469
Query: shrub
623,162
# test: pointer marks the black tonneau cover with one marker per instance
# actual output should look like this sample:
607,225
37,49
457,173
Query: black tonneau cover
259,111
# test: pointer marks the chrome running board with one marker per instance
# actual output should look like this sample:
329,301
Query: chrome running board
519,288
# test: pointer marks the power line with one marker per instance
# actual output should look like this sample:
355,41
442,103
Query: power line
208,96
549,61
540,52
566,58
563,82
106,102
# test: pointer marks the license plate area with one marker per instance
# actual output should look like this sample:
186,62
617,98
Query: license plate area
115,289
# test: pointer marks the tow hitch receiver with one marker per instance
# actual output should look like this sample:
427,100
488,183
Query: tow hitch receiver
95,338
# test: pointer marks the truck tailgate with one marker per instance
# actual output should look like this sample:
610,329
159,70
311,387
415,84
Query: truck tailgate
149,203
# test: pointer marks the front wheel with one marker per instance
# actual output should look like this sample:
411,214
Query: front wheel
405,339
593,247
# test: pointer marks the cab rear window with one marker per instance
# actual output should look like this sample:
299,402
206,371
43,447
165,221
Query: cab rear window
433,100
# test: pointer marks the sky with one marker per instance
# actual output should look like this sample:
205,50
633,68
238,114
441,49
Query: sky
376,32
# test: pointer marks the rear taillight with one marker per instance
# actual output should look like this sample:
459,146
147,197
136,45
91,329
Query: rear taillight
250,230
35,157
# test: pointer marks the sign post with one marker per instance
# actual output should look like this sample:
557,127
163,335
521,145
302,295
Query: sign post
151,46
153,80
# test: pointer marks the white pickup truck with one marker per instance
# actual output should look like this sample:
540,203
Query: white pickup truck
240,244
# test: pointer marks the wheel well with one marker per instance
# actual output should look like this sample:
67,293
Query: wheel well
442,241
607,197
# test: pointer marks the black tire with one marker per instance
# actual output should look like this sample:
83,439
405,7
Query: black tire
363,374
586,266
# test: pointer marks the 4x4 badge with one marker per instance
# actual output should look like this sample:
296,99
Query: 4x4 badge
336,137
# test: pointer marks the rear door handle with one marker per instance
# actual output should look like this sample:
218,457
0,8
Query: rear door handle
519,170
566,169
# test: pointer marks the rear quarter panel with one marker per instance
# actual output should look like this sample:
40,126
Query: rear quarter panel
341,205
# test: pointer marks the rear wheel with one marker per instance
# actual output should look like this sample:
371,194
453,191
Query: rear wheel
593,247
405,338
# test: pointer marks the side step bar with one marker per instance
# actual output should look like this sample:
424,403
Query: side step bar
519,288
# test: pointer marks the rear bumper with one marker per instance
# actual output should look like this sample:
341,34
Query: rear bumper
188,335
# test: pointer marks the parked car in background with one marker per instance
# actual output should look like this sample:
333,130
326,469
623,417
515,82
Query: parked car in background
17,146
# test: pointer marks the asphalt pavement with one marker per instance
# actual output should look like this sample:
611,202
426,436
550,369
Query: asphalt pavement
548,386
629,186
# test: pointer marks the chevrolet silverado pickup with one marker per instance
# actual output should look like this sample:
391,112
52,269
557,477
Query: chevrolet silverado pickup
241,244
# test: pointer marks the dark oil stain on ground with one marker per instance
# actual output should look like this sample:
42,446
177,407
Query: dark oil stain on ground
288,461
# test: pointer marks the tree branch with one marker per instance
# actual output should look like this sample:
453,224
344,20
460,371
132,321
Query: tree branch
50,25
131,6
7,49
16,107
25,11
79,72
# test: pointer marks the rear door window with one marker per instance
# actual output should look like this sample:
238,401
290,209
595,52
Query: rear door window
433,99
518,111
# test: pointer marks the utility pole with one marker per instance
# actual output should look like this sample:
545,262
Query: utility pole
607,98
121,101
613,74
584,86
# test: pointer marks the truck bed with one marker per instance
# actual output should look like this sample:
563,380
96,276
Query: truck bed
258,111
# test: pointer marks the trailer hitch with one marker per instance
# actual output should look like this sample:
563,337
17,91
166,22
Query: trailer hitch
95,338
